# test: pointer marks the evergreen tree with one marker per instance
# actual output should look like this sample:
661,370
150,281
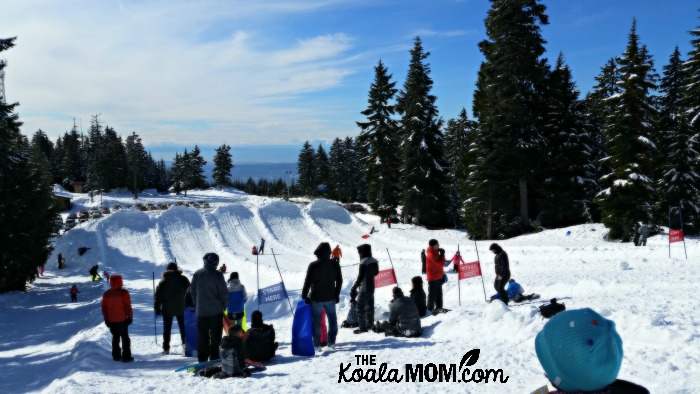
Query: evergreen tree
628,192
177,176
337,169
136,163
29,212
424,166
194,165
56,161
71,162
569,174
162,176
458,136
359,176
321,168
112,161
306,168
42,151
223,163
94,154
379,136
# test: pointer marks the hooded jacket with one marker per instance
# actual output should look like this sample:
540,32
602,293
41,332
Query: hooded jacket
418,297
434,265
209,291
323,277
232,352
116,302
260,342
502,264
170,294
236,285
369,268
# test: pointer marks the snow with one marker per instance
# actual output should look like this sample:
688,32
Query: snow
53,346
647,141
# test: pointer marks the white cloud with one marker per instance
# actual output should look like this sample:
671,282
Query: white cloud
156,68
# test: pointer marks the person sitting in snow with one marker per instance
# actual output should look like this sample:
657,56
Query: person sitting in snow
254,250
515,293
418,295
74,293
581,352
232,353
352,321
404,320
222,268
259,340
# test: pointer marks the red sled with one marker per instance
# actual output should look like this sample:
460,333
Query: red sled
365,236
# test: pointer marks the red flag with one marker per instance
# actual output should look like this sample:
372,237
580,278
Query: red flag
385,278
469,270
675,236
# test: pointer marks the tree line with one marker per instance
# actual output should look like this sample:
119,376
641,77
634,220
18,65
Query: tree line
537,153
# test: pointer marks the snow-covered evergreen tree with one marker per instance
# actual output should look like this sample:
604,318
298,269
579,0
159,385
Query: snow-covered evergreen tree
94,154
423,172
337,171
569,175
306,169
628,194
136,163
321,168
379,137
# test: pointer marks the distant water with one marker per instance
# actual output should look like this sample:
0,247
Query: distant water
243,171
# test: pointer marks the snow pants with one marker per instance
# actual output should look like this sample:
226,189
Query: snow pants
435,294
500,286
365,309
209,332
120,332
168,326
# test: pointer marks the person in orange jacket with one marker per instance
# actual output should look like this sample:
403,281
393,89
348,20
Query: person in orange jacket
435,273
337,253
116,309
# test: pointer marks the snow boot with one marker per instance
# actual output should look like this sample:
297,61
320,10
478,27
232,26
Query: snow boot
360,331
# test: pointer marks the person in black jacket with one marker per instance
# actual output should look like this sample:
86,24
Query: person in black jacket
322,290
418,295
170,302
364,288
259,340
422,259
502,272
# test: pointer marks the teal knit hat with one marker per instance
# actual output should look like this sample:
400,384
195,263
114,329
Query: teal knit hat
579,350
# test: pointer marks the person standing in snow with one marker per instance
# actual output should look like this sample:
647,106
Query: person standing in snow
418,295
210,297
337,253
93,273
170,302
41,269
644,231
456,261
261,250
422,259
388,222
74,293
61,261
234,284
435,273
118,315
502,266
364,288
322,291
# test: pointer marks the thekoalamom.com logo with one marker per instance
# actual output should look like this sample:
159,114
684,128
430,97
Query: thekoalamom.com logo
367,371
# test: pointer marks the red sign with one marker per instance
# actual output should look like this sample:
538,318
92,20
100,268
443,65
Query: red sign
469,270
385,278
675,236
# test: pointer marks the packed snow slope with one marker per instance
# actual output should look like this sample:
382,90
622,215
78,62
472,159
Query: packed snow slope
52,345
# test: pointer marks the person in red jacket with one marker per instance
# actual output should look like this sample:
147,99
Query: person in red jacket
435,273
116,309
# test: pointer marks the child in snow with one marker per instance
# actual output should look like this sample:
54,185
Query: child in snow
515,292
232,353
93,273
74,293
222,268
418,295
259,340
234,284
456,261
352,321
106,275
581,352
255,250
116,309
403,317
337,253
261,250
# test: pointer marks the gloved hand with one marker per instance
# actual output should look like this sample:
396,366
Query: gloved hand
129,320
107,323
307,300
337,300
353,293
442,252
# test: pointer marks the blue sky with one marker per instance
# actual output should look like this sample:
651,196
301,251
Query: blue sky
265,76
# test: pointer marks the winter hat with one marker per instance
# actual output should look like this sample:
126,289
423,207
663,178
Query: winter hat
432,242
172,267
211,258
323,250
257,319
417,281
579,350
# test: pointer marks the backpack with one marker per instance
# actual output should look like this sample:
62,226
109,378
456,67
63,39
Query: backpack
551,309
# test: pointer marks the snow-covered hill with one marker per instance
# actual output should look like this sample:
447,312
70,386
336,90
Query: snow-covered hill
50,345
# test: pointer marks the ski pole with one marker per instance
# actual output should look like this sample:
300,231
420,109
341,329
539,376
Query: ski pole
155,332
480,270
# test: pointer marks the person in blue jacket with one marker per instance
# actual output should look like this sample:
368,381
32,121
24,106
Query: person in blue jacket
516,292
